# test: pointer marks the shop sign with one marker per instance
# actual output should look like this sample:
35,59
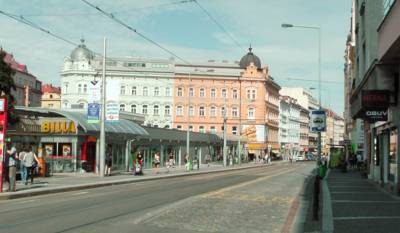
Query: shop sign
93,113
375,114
375,98
63,127
318,121
254,133
3,130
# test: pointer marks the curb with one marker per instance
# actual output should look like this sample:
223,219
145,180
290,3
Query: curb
30,193
327,216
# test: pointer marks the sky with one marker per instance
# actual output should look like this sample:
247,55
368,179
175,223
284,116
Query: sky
186,30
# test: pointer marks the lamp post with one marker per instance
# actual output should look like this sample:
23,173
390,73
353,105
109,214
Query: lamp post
103,114
286,25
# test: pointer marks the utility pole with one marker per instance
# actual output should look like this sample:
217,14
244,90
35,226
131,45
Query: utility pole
103,113
188,122
240,122
225,119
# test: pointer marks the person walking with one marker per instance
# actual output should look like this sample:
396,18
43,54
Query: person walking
170,162
108,162
157,161
11,167
22,167
31,162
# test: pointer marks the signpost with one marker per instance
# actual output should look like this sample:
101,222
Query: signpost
318,121
3,129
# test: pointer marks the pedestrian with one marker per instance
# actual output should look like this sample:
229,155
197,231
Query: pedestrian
11,167
22,166
359,161
291,159
187,162
108,162
157,161
31,162
170,163
208,160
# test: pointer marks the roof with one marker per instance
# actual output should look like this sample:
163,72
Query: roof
250,57
10,60
179,135
122,127
48,88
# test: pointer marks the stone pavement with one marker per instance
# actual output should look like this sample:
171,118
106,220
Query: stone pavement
358,205
76,181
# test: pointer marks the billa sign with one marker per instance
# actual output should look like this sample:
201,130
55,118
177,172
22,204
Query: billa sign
375,98
375,114
62,127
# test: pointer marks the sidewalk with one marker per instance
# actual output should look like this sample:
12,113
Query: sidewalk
358,205
77,181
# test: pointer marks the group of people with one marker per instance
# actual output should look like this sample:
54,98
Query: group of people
27,162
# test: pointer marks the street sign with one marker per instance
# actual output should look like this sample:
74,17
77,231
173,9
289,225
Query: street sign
318,121
93,113
3,129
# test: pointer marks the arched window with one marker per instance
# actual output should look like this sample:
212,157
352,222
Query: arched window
213,111
133,108
251,113
145,91
167,110
144,109
179,110
156,91
155,110
201,111
122,107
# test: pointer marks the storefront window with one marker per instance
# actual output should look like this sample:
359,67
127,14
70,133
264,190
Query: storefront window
64,149
50,149
393,155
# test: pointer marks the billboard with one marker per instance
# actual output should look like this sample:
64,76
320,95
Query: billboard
93,113
254,133
112,100
318,121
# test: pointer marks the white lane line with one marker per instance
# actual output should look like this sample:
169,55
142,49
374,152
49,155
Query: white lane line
27,201
81,193
351,201
349,186
366,217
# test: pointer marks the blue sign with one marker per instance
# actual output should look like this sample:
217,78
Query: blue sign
318,121
93,113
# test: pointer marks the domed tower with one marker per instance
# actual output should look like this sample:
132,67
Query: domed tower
249,58
81,53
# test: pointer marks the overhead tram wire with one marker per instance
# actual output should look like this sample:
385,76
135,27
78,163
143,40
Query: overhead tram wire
218,25
21,19
115,12
112,17
311,80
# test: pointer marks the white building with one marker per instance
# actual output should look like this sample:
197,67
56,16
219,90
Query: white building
146,85
289,126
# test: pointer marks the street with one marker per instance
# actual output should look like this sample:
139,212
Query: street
251,200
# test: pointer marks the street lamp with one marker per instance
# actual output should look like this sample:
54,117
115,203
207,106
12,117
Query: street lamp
286,25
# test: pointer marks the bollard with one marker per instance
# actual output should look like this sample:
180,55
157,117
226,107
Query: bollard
316,197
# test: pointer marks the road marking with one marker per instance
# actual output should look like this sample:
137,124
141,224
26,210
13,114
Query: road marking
366,217
27,201
349,186
80,193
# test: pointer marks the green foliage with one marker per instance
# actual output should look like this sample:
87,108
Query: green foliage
6,85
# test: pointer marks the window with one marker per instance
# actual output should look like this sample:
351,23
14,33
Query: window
235,112
202,92
144,109
155,110
201,129
191,111
156,91
51,105
133,91
79,88
179,92
212,129
122,90
191,92
51,96
212,93
179,126
223,93
167,110
122,107
85,88
179,111
145,91
250,113
201,111
223,111
167,91
251,94
66,88
190,127
213,112
133,108
234,130
235,94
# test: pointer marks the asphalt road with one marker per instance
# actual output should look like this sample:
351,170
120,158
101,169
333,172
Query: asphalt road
251,200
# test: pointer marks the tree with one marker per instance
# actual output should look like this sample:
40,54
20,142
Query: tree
6,86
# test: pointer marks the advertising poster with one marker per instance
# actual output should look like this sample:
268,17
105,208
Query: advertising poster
93,113
254,133
49,148
318,121
112,100
94,92
66,150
